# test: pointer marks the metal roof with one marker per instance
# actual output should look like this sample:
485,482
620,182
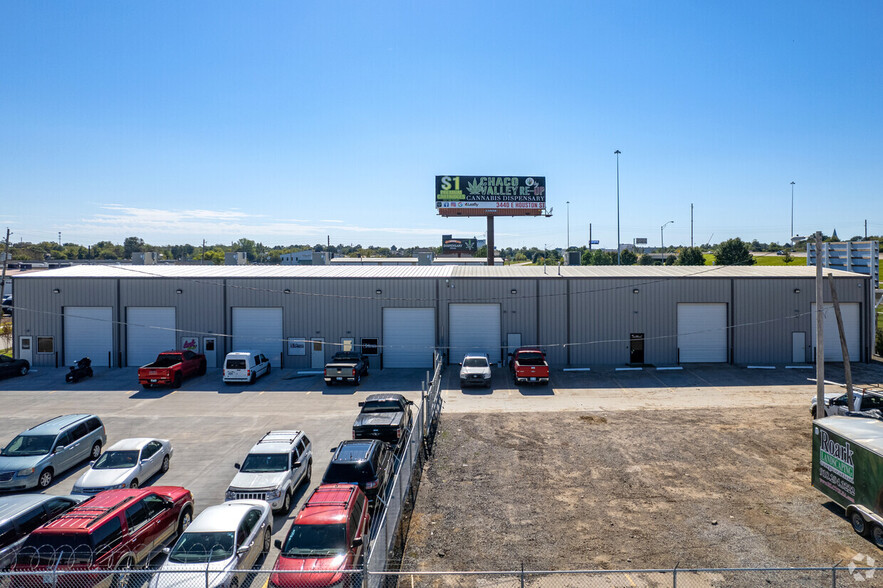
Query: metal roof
429,271
133,444
222,517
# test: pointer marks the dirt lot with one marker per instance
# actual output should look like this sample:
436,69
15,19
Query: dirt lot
625,489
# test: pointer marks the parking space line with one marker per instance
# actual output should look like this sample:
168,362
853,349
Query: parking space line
267,582
629,578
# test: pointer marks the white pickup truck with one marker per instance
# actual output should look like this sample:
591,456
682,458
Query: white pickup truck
836,403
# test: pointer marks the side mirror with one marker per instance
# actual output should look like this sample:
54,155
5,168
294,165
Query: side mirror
297,464
361,404
92,463
58,448
278,544
357,542
242,550
411,403
237,465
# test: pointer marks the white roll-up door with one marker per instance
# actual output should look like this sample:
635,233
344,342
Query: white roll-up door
261,329
408,337
150,330
849,311
88,332
475,327
702,332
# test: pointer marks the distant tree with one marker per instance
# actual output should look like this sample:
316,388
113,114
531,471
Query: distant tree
482,251
690,256
788,257
601,257
132,245
247,246
646,259
671,259
628,257
733,252
520,257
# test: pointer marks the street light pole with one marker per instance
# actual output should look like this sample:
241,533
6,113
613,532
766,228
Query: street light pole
792,210
568,225
618,252
662,239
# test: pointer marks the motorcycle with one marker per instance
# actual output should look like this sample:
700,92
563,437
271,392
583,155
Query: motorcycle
81,369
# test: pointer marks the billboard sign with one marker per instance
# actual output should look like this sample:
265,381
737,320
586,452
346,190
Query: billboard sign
490,195
640,240
459,245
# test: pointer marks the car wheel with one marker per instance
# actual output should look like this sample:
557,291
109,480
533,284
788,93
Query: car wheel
251,380
328,382
462,383
877,536
96,451
134,483
45,479
286,503
89,372
357,379
165,464
309,474
123,579
859,525
268,539
184,521
177,382
23,371
202,368
269,367
812,412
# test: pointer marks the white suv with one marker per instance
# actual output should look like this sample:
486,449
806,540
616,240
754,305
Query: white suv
273,469
475,370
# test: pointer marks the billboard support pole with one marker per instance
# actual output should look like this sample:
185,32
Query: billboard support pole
490,240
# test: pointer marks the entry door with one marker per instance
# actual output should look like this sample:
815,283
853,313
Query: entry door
636,348
209,344
513,342
798,347
318,354
25,350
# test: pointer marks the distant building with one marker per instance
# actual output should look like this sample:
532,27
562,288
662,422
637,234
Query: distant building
237,258
862,257
308,257
144,258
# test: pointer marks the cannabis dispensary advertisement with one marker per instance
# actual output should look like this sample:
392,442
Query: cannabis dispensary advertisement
845,471
490,195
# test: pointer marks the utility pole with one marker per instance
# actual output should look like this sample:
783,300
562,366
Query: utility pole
691,225
820,335
792,210
568,225
847,368
618,252
203,251
866,229
590,236
5,261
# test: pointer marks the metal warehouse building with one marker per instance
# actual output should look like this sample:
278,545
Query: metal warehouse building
300,315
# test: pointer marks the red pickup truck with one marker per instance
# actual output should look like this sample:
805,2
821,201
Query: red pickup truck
170,368
529,365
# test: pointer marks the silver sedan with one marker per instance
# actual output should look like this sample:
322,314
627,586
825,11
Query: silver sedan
126,464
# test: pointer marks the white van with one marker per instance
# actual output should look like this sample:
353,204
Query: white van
245,366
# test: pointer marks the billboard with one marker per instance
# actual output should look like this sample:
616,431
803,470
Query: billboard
490,195
459,245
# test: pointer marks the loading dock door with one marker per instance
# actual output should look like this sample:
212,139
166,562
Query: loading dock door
702,332
850,313
475,327
88,332
408,337
261,329
150,330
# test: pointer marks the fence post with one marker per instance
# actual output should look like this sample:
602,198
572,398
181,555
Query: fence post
365,570
834,574
674,576
522,574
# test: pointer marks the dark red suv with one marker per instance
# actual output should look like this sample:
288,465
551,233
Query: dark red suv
326,539
117,529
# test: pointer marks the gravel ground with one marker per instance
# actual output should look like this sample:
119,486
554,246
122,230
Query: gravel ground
625,490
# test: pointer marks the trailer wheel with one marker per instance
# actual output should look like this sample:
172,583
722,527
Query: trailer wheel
859,525
877,535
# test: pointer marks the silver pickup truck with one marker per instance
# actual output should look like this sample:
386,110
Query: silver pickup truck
346,366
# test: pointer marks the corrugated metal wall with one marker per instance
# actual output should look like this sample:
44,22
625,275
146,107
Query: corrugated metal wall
592,329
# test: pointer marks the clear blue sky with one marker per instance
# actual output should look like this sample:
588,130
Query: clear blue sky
285,122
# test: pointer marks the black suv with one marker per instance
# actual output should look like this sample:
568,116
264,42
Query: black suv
366,462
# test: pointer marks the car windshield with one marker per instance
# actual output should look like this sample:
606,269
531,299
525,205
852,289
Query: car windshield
475,362
56,548
113,460
29,445
202,547
256,463
348,473
304,540
382,406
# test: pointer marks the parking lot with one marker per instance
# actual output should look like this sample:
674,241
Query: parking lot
211,425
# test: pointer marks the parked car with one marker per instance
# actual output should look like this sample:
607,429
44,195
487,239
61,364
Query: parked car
22,513
475,370
836,403
42,452
170,369
528,364
346,366
8,305
126,464
385,417
366,462
221,545
245,366
117,529
13,367
273,469
328,537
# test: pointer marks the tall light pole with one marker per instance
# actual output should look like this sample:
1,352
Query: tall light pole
662,239
568,225
618,252
792,210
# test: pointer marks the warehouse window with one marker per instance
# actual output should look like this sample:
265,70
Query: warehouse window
369,346
45,345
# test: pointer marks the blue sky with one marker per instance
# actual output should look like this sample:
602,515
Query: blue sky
286,122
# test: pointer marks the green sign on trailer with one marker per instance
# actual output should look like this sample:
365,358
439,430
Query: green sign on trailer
847,466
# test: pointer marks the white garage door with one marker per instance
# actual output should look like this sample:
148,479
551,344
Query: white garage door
150,330
261,329
88,332
702,333
475,327
849,311
408,337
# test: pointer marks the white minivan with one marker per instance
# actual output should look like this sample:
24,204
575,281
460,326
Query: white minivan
245,366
